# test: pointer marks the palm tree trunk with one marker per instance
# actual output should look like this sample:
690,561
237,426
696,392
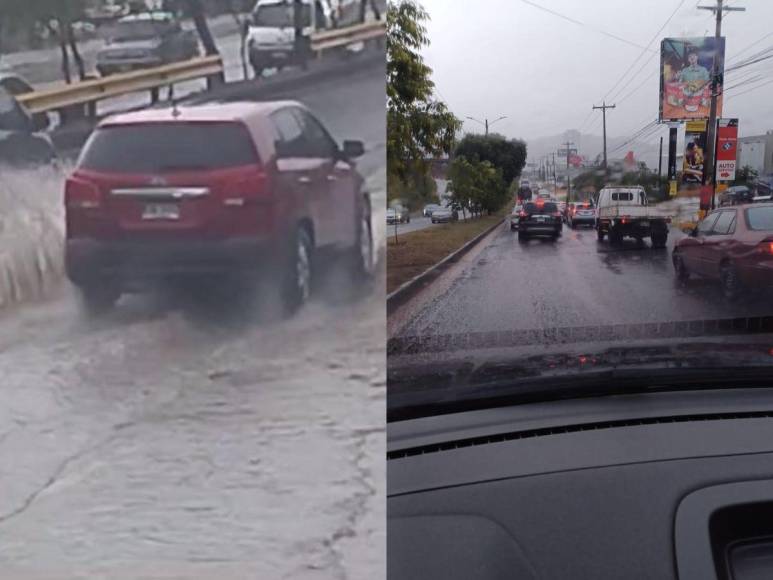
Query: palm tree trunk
76,55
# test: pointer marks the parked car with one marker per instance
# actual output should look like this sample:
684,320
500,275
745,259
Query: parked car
581,213
144,40
22,137
271,30
429,208
216,192
735,195
540,218
444,215
733,245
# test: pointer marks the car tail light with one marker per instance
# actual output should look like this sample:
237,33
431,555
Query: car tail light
523,214
766,248
81,195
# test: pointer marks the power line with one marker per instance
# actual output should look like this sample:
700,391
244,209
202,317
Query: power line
644,50
579,23
751,89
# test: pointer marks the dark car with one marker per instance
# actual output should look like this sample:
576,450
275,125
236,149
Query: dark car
733,245
22,140
540,218
216,193
735,195
145,40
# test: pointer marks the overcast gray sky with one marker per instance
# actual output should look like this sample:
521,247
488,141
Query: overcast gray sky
506,57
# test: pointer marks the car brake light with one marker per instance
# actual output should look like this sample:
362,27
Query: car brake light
79,194
522,214
766,248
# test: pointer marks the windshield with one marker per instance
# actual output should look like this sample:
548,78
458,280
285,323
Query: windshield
627,163
168,147
137,30
280,16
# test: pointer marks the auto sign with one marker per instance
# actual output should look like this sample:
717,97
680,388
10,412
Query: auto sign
727,142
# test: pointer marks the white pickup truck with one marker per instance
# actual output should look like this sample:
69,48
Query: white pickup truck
624,211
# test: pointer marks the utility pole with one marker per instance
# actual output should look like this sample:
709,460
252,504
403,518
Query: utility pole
604,108
485,122
711,130
555,181
568,179
660,161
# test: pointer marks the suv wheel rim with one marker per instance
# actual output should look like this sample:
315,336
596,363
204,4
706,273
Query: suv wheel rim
366,245
303,270
729,282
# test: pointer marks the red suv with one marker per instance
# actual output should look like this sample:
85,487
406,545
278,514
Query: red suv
733,245
242,189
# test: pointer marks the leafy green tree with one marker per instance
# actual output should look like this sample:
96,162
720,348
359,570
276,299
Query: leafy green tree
507,154
476,186
418,125
744,175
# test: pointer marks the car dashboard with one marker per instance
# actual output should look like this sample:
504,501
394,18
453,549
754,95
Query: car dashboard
667,485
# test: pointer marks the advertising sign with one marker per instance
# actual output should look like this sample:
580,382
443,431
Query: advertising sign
694,150
727,148
685,77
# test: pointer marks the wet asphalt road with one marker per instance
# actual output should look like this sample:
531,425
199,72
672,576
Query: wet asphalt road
576,281
175,440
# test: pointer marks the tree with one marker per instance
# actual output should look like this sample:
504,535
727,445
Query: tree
476,186
418,125
745,174
508,155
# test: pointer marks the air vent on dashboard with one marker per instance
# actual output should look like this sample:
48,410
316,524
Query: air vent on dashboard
545,431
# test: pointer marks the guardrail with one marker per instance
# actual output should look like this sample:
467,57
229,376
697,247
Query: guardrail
91,91
345,36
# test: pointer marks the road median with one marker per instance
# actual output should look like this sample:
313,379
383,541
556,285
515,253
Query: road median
414,259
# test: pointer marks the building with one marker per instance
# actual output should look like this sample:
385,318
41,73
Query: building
757,153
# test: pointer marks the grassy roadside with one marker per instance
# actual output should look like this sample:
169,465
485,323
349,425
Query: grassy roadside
414,252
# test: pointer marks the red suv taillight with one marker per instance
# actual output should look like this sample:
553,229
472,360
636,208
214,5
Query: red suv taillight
766,248
81,195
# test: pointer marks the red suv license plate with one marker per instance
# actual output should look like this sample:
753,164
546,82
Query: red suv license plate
161,211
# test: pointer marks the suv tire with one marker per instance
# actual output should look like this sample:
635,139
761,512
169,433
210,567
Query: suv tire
363,255
296,287
99,298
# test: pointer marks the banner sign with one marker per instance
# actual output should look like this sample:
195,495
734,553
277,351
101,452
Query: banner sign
727,148
686,65
694,148
672,139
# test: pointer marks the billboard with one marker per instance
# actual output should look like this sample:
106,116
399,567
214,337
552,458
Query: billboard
685,77
694,151
727,148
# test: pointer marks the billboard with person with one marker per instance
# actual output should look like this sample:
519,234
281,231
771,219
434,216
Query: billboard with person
685,77
694,148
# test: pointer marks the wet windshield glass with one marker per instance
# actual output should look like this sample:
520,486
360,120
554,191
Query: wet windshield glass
280,16
621,243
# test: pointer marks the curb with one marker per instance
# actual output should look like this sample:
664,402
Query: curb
409,289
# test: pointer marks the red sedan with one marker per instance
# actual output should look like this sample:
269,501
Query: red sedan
733,245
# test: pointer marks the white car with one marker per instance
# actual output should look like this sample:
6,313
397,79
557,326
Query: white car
515,217
271,30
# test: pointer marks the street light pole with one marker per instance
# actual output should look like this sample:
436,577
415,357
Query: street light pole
485,122
708,166
568,178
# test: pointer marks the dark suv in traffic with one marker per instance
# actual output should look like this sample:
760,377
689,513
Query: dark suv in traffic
216,192
539,218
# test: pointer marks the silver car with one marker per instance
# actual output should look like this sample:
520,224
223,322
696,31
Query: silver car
146,40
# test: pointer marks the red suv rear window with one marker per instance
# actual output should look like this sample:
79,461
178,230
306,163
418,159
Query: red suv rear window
159,147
